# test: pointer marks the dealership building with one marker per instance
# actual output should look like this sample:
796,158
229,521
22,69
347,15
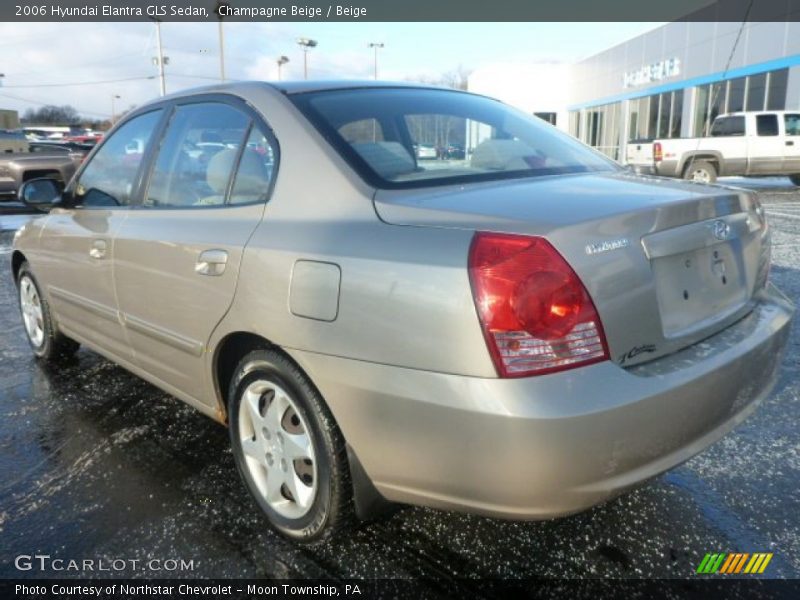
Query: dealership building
669,82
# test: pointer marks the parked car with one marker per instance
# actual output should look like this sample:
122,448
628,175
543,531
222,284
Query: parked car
12,141
426,151
75,150
452,151
89,140
47,161
522,335
748,144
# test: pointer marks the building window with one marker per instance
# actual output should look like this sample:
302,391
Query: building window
700,111
575,123
677,114
652,122
776,95
736,89
716,101
639,119
550,117
663,116
756,91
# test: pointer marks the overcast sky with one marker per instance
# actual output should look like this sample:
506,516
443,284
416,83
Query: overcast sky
38,59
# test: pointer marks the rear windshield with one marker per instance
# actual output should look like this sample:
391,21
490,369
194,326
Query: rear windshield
399,138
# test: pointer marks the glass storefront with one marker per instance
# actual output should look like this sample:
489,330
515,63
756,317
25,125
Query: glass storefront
656,116
661,115
763,91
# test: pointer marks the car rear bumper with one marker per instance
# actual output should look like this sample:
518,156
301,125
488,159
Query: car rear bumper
552,445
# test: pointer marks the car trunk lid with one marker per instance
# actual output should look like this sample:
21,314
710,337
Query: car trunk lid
667,263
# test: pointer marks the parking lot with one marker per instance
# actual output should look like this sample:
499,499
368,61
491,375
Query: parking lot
99,464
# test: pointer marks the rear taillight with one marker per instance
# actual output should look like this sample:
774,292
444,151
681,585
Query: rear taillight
536,314
658,152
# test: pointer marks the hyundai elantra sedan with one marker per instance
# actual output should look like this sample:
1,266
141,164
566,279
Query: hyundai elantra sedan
521,332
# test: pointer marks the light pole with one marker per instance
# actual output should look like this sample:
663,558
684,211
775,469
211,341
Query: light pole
113,108
282,60
375,46
306,43
160,60
221,12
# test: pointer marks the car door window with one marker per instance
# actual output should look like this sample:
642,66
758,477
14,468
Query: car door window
792,123
256,170
197,156
109,178
767,125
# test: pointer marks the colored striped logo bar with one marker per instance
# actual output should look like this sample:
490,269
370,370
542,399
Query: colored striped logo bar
732,563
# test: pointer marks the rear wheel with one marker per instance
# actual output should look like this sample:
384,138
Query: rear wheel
47,342
795,179
288,448
701,171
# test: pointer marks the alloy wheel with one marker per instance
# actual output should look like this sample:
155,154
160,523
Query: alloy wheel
32,314
278,449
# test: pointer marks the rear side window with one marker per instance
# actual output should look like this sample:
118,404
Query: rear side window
109,178
197,156
728,126
255,171
792,123
767,125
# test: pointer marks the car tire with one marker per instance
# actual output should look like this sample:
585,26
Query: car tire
307,495
701,171
47,342
795,179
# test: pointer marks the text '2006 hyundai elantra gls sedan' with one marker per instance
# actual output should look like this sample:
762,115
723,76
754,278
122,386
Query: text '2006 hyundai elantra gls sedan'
521,331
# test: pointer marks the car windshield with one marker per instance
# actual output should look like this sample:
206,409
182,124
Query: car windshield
412,137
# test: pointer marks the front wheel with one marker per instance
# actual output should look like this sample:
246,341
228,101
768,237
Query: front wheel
46,341
795,179
701,171
288,449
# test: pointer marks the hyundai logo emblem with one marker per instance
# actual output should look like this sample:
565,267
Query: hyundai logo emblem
721,230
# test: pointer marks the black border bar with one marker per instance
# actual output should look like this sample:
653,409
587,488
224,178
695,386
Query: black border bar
398,10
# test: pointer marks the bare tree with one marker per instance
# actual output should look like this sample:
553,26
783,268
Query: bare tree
52,115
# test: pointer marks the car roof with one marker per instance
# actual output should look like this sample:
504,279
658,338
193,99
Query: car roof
301,87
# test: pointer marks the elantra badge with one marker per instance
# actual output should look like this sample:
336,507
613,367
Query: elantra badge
601,247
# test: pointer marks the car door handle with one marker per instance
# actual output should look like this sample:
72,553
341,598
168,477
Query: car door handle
790,143
211,262
98,249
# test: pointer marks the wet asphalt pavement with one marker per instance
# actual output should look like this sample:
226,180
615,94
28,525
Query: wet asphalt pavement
97,464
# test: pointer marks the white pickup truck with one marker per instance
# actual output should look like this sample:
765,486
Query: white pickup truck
755,144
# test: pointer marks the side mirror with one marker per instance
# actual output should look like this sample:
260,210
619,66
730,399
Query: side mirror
41,194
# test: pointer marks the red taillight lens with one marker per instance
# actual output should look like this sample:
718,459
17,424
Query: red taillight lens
536,314
658,152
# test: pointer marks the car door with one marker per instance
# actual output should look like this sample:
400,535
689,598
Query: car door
177,255
791,156
766,146
77,242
